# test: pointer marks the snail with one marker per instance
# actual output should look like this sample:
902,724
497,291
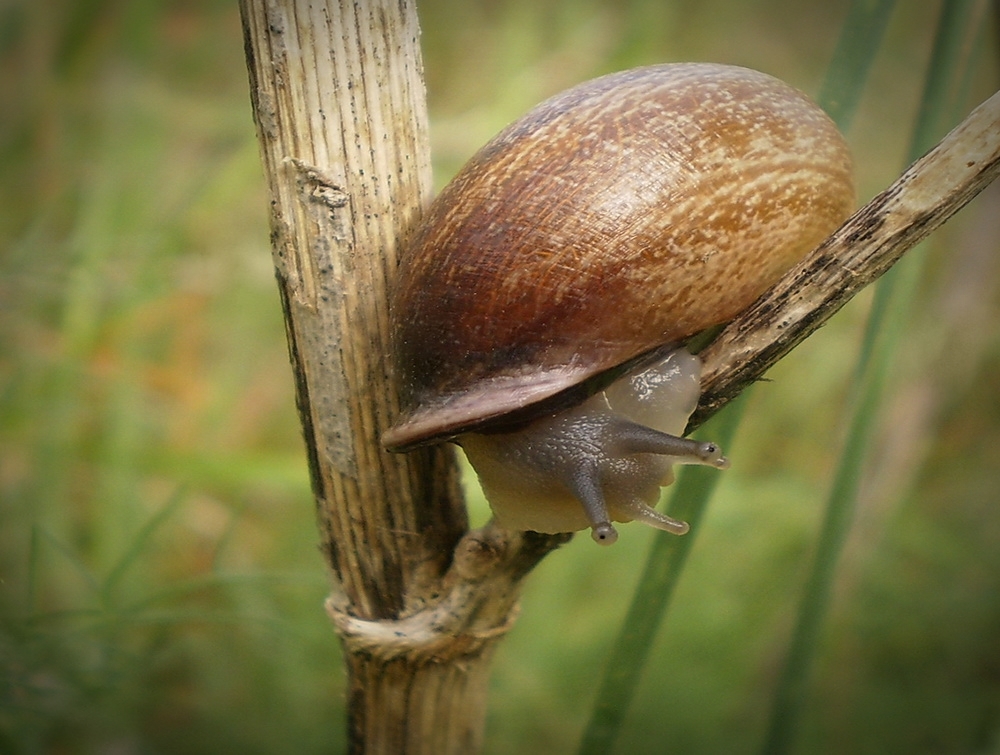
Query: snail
543,304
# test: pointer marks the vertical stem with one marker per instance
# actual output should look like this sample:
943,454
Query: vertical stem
338,101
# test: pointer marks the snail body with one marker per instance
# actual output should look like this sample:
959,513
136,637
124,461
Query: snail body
625,437
583,245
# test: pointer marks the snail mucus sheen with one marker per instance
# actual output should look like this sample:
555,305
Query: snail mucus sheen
542,305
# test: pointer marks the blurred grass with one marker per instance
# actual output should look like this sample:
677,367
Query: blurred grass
958,27
843,84
160,588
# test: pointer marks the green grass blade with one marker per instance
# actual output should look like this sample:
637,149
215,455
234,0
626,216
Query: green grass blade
138,545
859,42
892,299
955,44
31,578
660,576
177,592
71,557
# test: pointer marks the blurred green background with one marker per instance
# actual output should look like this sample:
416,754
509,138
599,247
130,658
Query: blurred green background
160,586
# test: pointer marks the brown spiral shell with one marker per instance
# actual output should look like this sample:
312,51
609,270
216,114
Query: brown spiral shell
621,216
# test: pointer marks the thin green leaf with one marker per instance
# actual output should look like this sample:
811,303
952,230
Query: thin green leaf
72,558
215,580
31,580
859,42
893,296
139,544
660,576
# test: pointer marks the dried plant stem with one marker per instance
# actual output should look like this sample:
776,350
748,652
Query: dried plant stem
338,100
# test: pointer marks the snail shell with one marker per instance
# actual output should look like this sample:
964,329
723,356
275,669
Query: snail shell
626,213
601,230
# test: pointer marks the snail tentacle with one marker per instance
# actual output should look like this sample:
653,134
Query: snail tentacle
636,438
585,483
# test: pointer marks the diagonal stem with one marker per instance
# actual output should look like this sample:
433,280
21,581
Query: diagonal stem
928,193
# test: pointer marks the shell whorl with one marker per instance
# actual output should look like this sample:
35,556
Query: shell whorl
625,214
